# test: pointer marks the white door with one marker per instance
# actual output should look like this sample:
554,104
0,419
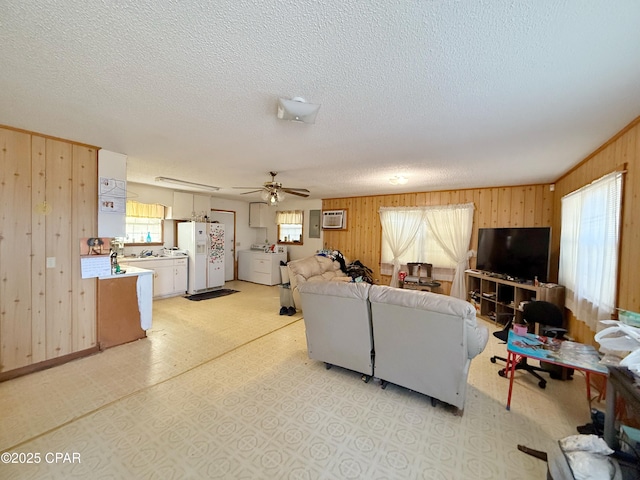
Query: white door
228,219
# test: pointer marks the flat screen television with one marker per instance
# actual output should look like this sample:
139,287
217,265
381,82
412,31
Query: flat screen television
520,253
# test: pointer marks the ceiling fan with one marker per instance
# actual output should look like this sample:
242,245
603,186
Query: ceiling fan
273,192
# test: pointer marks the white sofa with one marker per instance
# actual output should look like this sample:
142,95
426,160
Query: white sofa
316,268
419,340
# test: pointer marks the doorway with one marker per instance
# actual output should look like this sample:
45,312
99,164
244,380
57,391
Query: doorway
228,219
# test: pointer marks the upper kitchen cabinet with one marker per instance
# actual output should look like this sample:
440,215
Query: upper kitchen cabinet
202,203
182,205
187,204
49,196
258,213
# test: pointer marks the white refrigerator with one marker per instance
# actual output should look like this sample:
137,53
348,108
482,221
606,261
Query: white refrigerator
204,243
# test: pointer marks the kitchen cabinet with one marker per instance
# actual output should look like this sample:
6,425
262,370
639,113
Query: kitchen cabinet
162,278
180,277
259,267
182,205
202,203
258,213
169,274
186,204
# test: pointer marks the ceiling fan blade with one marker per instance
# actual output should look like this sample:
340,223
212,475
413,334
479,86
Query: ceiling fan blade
252,191
247,187
295,193
298,189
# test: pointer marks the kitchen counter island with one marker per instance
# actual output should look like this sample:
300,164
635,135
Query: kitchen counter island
124,306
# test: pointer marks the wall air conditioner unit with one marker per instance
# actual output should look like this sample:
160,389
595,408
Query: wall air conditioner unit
334,219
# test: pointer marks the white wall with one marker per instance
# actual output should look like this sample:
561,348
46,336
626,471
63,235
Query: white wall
309,245
113,167
245,235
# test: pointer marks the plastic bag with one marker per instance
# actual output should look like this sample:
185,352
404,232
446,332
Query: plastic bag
621,338
618,336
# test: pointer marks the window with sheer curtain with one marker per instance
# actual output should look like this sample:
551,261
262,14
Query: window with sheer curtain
589,242
290,226
439,235
144,222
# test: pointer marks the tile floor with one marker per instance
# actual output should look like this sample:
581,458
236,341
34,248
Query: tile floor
223,388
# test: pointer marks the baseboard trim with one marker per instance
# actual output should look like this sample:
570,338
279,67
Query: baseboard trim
53,362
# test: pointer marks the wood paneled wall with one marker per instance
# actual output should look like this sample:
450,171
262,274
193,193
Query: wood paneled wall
521,206
621,150
49,202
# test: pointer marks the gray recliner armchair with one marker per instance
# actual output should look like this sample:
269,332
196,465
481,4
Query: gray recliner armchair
337,320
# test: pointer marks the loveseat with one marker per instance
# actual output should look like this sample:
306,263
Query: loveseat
317,268
419,340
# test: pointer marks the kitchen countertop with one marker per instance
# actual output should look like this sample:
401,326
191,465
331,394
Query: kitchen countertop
130,272
150,257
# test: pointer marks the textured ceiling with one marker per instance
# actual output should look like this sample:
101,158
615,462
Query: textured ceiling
452,94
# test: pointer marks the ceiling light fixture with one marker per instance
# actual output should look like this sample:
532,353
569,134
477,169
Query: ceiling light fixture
398,180
184,183
272,197
297,110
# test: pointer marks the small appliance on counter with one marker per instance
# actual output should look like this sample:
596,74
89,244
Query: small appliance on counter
174,252
268,248
117,244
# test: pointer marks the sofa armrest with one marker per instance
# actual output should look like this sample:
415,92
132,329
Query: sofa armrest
477,337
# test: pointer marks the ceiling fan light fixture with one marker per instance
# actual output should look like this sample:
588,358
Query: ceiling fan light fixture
398,180
297,110
272,197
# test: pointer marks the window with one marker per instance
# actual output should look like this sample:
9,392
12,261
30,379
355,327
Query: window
290,226
589,248
438,235
144,223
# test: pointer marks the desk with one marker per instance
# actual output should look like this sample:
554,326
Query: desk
428,286
567,354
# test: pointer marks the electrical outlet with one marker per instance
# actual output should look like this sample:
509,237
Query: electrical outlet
51,262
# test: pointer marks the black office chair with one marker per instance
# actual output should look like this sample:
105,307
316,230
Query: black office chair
551,321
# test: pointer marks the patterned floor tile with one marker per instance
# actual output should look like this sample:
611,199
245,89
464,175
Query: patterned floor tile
214,394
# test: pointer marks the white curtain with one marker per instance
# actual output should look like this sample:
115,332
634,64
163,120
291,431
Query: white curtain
289,217
400,228
144,210
451,227
413,232
589,248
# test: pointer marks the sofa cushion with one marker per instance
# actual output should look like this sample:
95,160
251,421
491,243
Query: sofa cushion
476,335
337,289
422,300
314,266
